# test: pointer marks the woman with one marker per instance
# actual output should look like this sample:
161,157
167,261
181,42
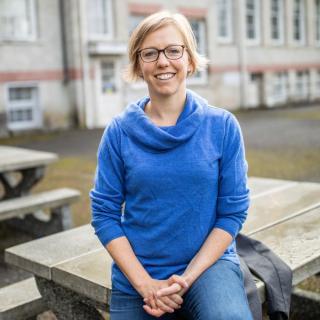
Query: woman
179,167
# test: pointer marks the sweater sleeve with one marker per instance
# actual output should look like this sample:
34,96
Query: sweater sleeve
233,194
107,195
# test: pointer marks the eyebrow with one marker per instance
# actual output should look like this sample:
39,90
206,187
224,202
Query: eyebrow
169,45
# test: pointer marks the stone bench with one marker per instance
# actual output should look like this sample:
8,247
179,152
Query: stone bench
285,215
30,208
20,301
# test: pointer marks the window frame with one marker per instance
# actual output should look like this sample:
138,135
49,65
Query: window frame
304,83
302,28
109,15
36,121
201,77
257,26
317,22
280,17
228,23
33,26
281,81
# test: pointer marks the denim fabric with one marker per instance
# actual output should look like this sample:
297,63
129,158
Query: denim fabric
217,294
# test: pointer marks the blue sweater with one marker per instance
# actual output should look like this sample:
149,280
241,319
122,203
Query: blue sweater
177,182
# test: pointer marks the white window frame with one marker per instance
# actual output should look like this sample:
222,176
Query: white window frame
302,85
32,36
318,82
317,22
36,121
139,84
279,15
280,87
225,8
257,18
301,16
201,77
108,15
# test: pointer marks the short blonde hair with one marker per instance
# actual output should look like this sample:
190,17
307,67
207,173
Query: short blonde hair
153,23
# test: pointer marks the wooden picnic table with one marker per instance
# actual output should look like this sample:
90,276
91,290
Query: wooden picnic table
72,269
21,169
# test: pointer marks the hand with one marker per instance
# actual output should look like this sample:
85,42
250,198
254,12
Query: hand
174,281
168,296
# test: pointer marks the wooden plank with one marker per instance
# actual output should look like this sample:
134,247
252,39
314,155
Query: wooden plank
31,203
20,300
12,158
39,256
275,207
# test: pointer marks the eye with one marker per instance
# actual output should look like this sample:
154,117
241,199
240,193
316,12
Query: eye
149,53
174,50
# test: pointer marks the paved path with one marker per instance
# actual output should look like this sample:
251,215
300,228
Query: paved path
295,128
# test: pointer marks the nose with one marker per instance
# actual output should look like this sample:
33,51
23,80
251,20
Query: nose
162,59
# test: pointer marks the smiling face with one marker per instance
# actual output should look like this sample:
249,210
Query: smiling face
164,77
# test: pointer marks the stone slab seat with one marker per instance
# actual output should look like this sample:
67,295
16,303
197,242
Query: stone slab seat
31,203
20,301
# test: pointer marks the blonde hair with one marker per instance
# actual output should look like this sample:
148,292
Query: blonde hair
153,23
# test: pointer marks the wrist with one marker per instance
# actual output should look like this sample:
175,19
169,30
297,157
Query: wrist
141,282
189,278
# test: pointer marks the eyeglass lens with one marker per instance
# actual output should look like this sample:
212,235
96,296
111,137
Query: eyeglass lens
152,54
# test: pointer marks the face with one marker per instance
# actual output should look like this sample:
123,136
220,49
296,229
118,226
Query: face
165,77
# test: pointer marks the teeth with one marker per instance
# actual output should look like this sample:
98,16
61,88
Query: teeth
165,76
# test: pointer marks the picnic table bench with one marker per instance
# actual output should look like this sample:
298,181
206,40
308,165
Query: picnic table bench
20,170
72,269
39,214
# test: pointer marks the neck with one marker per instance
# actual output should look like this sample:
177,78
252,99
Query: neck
165,110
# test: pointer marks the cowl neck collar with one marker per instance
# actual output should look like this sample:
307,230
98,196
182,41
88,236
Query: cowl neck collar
138,126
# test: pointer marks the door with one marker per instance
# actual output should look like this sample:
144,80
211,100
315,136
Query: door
108,87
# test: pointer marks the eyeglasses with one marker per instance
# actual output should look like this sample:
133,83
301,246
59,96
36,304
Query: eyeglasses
172,52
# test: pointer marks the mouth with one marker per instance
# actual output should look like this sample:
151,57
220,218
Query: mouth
165,76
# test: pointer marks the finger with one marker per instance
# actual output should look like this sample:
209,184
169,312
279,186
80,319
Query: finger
178,279
164,307
176,298
169,302
153,312
174,288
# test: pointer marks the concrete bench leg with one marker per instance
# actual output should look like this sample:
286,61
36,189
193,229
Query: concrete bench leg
60,220
305,304
65,304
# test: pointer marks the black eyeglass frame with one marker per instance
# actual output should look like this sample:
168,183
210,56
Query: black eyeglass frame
164,52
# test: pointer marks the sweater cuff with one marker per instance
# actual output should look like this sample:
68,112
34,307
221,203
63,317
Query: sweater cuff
105,236
229,225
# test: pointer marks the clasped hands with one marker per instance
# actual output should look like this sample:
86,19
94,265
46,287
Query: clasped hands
161,296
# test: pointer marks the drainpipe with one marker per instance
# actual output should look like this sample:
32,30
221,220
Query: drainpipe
242,53
87,114
63,42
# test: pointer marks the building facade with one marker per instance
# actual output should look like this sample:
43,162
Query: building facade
61,61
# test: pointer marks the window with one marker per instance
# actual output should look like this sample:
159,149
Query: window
23,107
277,21
99,18
108,78
252,21
199,30
134,20
298,22
318,83
317,21
17,20
224,11
302,85
280,87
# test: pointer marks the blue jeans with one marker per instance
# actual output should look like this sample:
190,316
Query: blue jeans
218,294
